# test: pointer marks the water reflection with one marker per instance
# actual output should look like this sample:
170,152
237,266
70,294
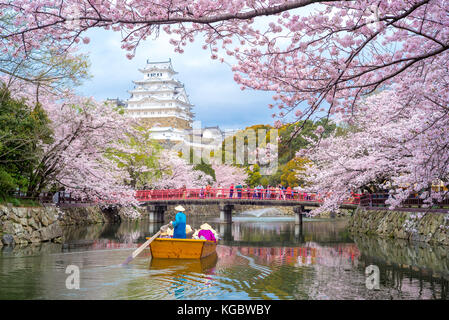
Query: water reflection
417,269
185,265
179,272
257,258
281,231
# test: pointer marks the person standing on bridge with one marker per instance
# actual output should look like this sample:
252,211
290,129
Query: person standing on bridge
239,189
184,191
282,191
277,192
179,225
247,194
219,193
268,192
289,193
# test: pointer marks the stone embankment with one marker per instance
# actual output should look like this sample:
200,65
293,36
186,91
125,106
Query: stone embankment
21,225
404,254
429,227
25,225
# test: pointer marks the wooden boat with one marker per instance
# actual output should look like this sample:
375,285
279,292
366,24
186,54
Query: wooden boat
182,248
181,266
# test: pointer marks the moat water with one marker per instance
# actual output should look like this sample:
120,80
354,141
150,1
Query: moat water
257,258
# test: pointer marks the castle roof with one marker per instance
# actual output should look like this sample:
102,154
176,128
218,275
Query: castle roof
158,66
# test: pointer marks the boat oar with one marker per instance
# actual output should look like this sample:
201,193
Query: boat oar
140,249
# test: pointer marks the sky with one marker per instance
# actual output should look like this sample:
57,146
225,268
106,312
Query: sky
217,99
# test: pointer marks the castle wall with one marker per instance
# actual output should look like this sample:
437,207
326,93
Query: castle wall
166,122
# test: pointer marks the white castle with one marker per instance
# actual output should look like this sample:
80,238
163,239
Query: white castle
160,102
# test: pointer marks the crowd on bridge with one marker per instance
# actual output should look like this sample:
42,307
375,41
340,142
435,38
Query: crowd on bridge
259,192
236,191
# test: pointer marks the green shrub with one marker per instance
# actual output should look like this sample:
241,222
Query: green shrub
15,202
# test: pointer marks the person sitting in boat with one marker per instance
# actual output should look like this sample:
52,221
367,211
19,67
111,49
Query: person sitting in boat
206,233
179,225
189,231
167,232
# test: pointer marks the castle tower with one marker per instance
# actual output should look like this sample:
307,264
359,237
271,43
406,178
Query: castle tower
160,102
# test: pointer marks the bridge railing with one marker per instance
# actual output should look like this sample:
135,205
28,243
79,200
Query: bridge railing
379,200
227,193
68,199
62,198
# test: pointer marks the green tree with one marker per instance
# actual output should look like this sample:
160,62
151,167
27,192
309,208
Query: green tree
139,157
292,142
254,176
264,181
23,130
275,178
290,171
207,169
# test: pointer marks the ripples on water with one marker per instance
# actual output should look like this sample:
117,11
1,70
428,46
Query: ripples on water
257,258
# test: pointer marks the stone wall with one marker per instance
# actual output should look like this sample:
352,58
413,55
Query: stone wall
24,225
166,122
428,227
404,253
81,216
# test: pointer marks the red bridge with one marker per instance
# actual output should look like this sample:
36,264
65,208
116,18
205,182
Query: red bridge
236,194
226,198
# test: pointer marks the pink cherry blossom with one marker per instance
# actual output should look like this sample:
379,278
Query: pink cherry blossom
176,173
377,66
83,133
225,175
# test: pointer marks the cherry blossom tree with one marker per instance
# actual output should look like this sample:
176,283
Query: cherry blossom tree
84,131
319,58
225,175
47,65
325,53
175,173
393,144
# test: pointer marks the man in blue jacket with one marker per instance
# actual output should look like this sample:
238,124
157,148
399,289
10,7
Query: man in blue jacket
179,224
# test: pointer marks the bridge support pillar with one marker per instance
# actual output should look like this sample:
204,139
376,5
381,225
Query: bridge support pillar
226,231
156,213
226,213
299,236
299,214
